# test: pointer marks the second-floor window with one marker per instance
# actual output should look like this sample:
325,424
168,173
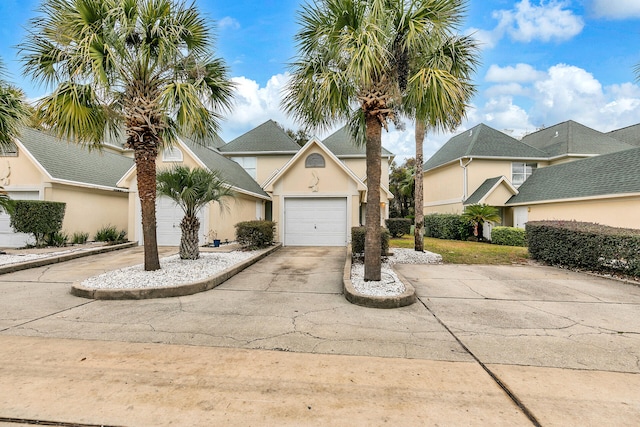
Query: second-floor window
520,171
248,164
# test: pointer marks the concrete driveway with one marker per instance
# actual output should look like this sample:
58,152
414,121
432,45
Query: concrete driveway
518,345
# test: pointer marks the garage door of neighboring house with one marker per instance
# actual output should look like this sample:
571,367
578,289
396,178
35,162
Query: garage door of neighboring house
315,221
168,218
520,216
9,238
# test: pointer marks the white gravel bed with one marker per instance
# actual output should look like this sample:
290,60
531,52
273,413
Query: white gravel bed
390,285
174,271
6,259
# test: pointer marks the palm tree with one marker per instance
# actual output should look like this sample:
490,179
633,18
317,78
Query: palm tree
192,189
478,214
437,97
13,114
13,110
345,71
145,65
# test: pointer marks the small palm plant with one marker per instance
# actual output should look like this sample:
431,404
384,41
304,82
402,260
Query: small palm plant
478,214
192,189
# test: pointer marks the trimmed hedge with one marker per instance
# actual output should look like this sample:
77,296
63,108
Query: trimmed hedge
38,217
255,234
358,236
446,226
398,227
508,236
585,245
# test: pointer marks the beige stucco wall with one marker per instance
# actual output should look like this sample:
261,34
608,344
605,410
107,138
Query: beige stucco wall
499,196
20,172
616,212
223,221
479,170
88,210
267,165
443,189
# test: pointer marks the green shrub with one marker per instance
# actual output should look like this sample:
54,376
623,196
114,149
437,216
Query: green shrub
358,237
508,236
79,238
37,217
446,226
584,245
255,234
398,227
110,234
58,239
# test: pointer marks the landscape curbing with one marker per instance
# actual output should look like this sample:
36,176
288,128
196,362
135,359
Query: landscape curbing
41,262
171,291
406,298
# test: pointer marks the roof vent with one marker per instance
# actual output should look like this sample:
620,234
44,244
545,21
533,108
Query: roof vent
556,135
471,132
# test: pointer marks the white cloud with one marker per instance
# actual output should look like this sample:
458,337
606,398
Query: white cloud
616,9
228,22
254,105
548,21
519,73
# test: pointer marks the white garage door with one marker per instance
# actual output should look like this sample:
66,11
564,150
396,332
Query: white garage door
168,218
315,222
9,238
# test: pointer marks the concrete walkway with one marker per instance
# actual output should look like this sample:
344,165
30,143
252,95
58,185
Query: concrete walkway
279,345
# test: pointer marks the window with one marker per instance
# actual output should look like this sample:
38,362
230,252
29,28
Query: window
314,160
10,150
521,171
248,164
172,154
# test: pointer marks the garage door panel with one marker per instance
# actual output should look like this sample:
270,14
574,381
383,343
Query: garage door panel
316,221
168,218
8,237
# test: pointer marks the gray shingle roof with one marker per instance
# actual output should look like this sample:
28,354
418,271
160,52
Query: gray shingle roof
574,138
482,141
71,162
342,144
268,137
629,134
230,170
482,191
614,173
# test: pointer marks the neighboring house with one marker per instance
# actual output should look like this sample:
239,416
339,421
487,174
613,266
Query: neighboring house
483,165
315,194
41,167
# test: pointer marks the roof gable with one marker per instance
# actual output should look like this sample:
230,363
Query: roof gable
482,141
300,155
571,137
608,174
266,138
73,163
232,172
488,188
629,134
342,144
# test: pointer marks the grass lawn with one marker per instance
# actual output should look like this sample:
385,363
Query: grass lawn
457,252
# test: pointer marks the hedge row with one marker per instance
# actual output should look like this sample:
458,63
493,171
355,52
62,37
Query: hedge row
38,217
583,245
509,236
358,236
255,234
446,226
398,227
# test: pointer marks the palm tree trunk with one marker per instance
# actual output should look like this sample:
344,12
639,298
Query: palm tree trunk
189,244
372,244
146,175
419,196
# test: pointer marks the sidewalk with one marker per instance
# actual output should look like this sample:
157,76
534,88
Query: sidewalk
279,345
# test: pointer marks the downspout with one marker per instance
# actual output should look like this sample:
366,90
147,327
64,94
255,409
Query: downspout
465,179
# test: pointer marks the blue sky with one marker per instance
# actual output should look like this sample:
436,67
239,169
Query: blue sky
543,62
